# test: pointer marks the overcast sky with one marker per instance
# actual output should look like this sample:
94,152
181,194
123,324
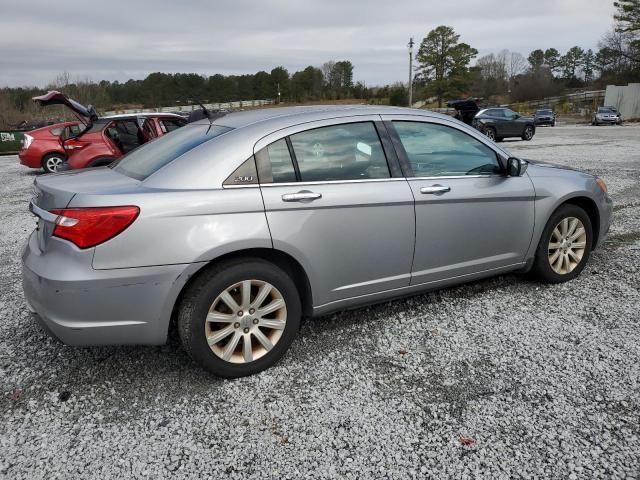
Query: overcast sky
118,40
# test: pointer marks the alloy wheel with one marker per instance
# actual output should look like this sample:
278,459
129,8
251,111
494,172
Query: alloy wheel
52,164
246,321
491,133
528,133
567,245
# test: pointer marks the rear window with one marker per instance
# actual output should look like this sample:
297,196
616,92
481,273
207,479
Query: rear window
152,156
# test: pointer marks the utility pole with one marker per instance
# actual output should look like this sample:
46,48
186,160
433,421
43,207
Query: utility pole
410,46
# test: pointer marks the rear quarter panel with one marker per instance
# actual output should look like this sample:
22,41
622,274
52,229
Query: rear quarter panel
180,227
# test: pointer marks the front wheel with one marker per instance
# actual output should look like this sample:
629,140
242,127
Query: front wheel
240,317
528,133
565,245
51,162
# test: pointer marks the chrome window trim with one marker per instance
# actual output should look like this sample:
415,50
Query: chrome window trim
368,180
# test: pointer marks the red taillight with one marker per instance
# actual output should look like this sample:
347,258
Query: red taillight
88,227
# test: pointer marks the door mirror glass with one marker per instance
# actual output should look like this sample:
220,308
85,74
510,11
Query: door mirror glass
514,167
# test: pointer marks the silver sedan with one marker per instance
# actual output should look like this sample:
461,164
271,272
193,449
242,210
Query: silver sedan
238,227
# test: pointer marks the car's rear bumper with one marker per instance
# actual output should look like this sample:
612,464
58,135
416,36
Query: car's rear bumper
29,160
82,306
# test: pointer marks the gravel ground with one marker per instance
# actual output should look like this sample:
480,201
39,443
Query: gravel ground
501,378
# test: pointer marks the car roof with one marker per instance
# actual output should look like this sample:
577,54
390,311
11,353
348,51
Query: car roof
140,115
303,114
219,157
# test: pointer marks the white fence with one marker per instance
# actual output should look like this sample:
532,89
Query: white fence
625,98
190,108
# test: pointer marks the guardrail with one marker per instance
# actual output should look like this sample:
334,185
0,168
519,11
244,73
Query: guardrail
190,108
10,142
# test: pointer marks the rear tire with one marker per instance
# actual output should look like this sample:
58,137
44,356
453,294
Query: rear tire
490,132
239,328
555,243
51,162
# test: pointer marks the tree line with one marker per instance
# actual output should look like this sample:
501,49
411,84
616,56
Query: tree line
333,80
444,67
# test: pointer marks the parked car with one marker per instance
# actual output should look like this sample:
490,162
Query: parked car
606,116
41,148
106,139
466,110
545,117
499,123
237,229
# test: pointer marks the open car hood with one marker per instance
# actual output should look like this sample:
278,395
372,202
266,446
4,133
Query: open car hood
85,114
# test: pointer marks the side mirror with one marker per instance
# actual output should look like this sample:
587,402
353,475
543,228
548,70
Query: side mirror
515,167
516,116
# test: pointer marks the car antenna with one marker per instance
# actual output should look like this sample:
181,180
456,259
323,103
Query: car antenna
207,114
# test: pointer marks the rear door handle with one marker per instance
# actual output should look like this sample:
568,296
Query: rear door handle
301,196
435,190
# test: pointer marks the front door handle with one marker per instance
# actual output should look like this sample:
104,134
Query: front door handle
435,189
301,196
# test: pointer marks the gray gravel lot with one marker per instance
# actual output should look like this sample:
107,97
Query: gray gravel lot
541,381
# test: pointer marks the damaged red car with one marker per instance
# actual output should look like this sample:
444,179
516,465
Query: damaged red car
42,148
105,139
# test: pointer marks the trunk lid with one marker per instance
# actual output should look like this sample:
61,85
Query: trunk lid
85,114
56,191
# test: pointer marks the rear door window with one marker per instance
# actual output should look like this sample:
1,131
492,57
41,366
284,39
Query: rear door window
350,151
152,156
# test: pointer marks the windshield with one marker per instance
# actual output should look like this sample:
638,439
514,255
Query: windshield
152,156
606,110
544,112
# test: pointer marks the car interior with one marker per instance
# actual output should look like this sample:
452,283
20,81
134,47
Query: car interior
126,134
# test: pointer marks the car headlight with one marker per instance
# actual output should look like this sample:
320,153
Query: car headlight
602,185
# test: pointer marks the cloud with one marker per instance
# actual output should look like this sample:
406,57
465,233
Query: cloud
118,40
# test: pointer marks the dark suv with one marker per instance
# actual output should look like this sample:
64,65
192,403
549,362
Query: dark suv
498,123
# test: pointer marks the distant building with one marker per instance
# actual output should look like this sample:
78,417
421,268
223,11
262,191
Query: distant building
625,98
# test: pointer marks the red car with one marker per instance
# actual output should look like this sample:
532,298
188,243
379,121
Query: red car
41,148
106,139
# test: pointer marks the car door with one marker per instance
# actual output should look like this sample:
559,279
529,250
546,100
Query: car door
504,128
335,202
470,218
515,123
